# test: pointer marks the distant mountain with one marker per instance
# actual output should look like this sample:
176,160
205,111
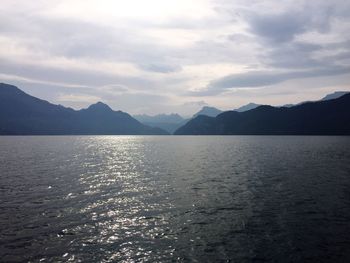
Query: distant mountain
168,122
334,95
247,107
292,105
169,127
162,118
288,105
330,117
208,111
22,114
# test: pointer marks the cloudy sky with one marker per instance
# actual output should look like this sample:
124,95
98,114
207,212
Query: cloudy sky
167,56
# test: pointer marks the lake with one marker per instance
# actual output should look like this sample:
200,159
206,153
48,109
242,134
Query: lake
175,198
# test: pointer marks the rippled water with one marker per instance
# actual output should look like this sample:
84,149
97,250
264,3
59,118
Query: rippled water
205,199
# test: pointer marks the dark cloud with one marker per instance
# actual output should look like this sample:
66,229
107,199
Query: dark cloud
284,26
278,28
293,55
264,78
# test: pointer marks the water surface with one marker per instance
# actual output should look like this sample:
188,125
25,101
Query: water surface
175,198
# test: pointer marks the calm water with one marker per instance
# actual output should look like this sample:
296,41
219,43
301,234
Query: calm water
205,199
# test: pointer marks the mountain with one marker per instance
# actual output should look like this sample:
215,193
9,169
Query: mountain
247,107
168,127
163,118
208,111
330,117
334,95
330,96
292,105
22,114
172,122
288,105
168,122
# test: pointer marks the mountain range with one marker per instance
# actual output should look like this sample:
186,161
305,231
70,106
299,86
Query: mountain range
167,122
171,122
325,117
330,96
22,114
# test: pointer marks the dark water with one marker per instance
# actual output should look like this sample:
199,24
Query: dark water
160,199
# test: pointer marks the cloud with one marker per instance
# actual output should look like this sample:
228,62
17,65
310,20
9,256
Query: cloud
73,76
264,78
160,68
292,45
296,18
199,103
141,102
294,55
280,27
78,98
153,58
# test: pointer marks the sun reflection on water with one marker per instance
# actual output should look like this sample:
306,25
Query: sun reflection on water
119,193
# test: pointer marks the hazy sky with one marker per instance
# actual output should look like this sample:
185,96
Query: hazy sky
175,56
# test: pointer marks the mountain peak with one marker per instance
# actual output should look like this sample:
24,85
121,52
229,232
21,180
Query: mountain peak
10,89
247,107
99,106
334,95
208,111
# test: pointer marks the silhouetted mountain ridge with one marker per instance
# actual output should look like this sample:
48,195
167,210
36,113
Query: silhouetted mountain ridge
22,114
330,117
334,95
